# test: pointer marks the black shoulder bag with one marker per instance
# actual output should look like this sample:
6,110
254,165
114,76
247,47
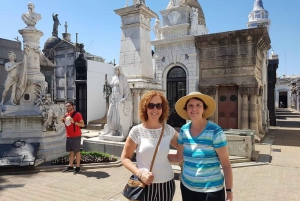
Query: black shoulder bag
135,188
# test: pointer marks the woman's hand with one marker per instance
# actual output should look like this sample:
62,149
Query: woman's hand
229,196
146,177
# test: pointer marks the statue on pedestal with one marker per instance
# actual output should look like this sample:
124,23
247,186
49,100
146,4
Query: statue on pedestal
119,115
194,20
156,29
31,18
12,78
55,24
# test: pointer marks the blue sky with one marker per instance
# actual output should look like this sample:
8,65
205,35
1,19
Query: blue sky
98,27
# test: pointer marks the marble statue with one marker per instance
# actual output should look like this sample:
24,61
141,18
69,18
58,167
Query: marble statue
11,81
156,29
31,18
22,82
194,20
175,2
55,24
138,2
119,115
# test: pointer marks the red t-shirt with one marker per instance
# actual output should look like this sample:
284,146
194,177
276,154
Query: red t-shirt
70,129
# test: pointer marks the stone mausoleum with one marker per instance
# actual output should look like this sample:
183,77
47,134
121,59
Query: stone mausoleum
230,66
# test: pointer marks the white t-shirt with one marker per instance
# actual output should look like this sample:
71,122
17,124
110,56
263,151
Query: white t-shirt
146,140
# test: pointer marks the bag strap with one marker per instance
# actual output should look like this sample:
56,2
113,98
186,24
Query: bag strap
156,148
72,116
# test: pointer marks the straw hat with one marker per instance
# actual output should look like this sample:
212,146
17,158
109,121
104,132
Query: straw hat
209,101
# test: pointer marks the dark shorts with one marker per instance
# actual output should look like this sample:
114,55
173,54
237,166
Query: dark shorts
188,195
73,144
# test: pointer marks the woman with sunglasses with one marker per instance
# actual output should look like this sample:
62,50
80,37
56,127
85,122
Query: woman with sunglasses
203,148
153,112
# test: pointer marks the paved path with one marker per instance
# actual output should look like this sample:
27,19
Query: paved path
277,181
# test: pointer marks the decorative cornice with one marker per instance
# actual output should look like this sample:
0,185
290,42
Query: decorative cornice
259,36
142,9
249,90
211,90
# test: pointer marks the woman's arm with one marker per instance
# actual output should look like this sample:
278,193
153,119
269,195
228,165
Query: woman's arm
126,155
178,157
129,147
174,141
225,162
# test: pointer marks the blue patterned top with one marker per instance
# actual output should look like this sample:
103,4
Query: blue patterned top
201,168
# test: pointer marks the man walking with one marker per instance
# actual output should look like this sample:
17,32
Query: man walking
73,122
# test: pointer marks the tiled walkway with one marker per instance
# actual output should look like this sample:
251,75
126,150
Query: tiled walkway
277,181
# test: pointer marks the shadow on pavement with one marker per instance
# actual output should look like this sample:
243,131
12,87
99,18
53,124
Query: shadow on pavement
97,174
288,133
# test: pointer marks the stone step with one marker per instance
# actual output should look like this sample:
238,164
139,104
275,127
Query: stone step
94,126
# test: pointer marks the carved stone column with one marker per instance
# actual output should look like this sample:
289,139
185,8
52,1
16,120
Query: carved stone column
136,101
259,111
245,92
211,91
245,114
253,113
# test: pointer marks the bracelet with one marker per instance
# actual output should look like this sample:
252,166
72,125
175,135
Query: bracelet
228,190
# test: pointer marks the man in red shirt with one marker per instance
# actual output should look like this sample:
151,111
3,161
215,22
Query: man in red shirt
73,122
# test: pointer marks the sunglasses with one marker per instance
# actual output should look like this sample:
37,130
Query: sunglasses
157,105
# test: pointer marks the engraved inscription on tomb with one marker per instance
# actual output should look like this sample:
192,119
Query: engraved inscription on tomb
226,63
227,72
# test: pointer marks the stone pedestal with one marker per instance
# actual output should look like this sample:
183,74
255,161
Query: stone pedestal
27,123
241,142
31,43
135,53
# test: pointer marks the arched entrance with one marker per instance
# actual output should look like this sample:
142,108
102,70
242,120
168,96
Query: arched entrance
283,99
176,88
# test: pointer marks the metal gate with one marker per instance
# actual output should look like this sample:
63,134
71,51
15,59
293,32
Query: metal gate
228,107
176,88
81,100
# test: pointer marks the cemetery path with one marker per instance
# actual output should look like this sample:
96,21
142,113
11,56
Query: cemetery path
279,180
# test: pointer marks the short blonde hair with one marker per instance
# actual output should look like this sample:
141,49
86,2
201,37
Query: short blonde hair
144,104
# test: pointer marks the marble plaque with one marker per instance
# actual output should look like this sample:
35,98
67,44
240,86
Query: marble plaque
19,153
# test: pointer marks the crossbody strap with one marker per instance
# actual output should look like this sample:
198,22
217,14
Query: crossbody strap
155,152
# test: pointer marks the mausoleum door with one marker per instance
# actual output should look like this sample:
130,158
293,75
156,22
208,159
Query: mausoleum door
176,88
283,99
228,107
81,100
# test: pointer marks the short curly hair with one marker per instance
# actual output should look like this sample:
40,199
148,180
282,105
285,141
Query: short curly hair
144,104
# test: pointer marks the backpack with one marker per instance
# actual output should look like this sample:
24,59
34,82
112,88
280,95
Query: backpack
72,118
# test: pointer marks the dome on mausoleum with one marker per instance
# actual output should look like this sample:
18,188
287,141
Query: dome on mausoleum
51,42
195,4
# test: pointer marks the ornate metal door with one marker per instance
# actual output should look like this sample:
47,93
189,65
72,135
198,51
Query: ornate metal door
176,88
228,107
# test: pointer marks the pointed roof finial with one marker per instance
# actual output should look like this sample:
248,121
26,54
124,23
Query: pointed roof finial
66,27
258,5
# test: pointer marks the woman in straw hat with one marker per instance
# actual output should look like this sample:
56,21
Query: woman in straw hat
153,112
202,146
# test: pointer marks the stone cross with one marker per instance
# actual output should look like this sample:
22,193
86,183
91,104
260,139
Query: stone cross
66,27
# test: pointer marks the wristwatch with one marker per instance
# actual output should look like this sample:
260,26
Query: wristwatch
229,190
